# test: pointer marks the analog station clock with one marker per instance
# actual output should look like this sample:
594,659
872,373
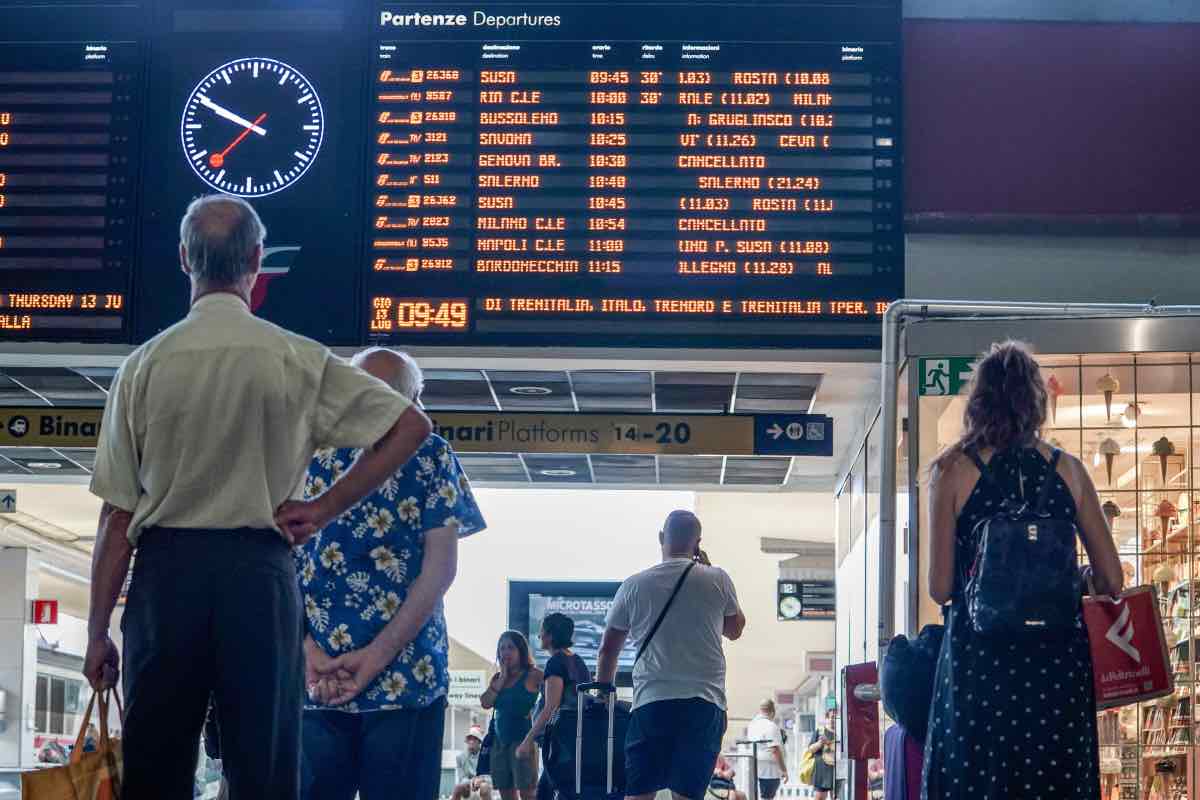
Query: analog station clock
252,127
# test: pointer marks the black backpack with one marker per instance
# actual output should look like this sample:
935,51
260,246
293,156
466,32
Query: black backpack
1025,578
906,678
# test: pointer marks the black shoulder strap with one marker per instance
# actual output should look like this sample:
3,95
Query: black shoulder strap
1048,484
674,593
983,468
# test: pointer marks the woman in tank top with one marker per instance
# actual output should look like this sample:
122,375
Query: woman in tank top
512,693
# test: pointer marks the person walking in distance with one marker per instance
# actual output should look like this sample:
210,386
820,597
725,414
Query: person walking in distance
1013,714
513,692
207,431
377,652
677,611
772,768
824,751
470,782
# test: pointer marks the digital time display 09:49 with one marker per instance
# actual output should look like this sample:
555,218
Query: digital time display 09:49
416,314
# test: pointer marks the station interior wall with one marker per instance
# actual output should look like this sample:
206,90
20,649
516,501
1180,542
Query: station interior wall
770,654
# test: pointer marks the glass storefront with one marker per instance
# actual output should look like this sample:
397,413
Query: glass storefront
1134,420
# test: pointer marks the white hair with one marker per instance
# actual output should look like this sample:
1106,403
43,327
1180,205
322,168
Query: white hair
408,380
219,233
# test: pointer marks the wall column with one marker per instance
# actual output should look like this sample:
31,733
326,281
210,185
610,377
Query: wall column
18,656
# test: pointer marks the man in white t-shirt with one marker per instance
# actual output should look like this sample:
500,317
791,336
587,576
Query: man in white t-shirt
772,769
679,679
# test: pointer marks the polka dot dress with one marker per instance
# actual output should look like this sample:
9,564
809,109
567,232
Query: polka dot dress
1012,718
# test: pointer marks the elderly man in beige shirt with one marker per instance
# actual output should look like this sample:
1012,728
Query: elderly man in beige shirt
207,433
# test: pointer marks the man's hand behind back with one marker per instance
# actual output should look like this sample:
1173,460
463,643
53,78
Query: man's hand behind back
300,520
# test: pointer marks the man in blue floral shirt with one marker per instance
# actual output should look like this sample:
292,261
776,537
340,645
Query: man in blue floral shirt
377,650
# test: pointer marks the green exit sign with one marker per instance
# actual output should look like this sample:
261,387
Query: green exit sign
941,377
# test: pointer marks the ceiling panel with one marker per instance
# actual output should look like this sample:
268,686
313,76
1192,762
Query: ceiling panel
694,392
779,392
58,386
756,470
629,470
558,469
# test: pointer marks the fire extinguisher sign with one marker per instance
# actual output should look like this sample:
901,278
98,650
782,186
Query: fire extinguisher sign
45,612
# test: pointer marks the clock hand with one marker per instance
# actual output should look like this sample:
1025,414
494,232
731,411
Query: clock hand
232,117
218,159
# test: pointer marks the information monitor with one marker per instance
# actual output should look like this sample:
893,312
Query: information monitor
695,173
617,174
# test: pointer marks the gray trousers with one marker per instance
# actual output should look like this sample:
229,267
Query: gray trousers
212,613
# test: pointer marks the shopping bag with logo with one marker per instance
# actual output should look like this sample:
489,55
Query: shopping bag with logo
88,776
1129,649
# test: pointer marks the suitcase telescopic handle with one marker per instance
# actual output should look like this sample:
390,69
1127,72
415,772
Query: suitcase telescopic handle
603,688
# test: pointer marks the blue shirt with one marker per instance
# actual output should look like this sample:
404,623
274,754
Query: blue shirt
354,575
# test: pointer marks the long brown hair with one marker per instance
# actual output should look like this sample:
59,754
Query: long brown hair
1006,406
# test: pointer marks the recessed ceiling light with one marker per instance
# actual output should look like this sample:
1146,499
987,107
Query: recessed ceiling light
44,465
557,473
530,390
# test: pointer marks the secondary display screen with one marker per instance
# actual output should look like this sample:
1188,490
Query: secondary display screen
589,615
68,188
620,174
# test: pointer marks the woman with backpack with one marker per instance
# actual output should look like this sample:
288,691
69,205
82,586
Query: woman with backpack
1014,712
564,671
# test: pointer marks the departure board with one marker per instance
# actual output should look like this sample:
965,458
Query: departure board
68,169
612,174
701,174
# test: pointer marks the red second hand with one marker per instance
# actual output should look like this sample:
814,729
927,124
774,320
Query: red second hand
218,159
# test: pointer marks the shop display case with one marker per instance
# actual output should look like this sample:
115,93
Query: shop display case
1133,420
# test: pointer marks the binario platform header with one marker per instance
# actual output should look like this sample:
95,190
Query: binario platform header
612,174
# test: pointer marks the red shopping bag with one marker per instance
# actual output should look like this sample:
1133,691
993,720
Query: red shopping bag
1129,649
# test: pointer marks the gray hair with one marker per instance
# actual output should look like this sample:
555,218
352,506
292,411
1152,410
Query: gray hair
219,233
407,379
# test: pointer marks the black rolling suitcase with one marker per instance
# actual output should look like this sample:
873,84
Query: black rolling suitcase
594,768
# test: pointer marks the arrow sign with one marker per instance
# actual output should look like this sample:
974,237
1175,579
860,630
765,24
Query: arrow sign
8,500
793,435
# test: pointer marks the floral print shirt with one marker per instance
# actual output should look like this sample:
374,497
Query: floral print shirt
354,575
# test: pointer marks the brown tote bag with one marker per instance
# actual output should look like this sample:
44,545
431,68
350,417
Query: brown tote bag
88,776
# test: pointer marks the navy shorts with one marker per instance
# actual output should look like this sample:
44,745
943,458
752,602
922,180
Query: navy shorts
673,744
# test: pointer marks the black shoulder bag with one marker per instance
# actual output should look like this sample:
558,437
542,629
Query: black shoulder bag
653,630
1025,577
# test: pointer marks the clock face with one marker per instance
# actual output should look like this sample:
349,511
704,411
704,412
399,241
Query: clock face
252,127
790,608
